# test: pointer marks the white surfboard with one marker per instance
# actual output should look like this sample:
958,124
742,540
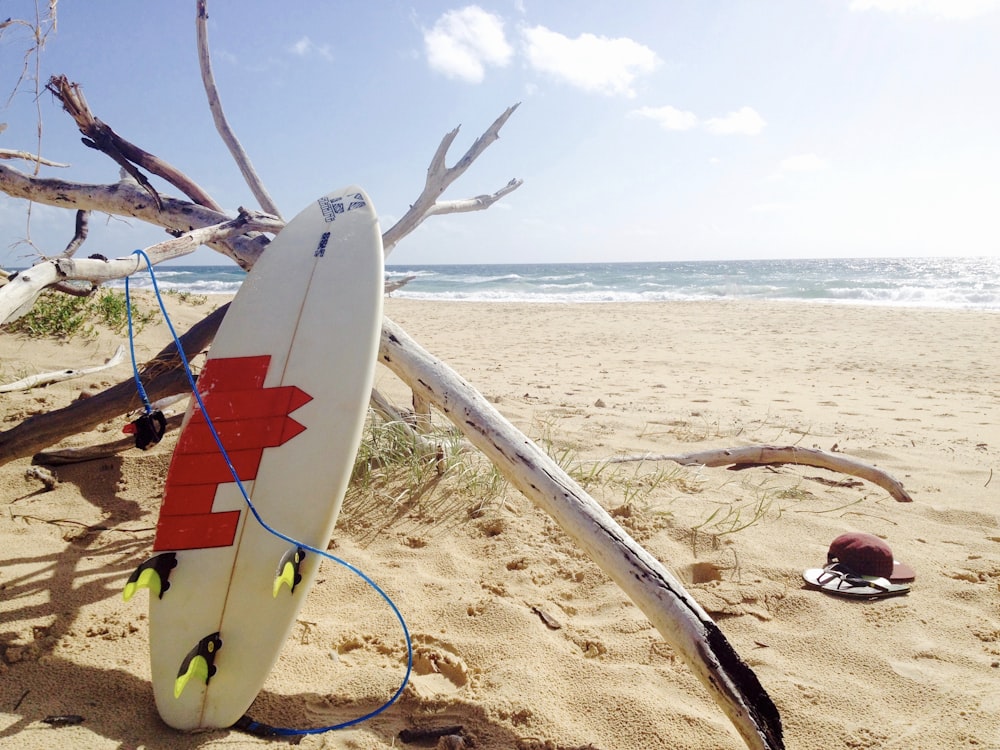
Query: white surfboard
286,385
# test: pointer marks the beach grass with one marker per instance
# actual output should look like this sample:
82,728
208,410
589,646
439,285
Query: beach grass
63,316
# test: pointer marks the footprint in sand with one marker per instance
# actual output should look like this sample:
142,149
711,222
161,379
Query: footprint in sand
437,669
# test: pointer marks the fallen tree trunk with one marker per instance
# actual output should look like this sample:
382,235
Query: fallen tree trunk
92,452
677,616
162,376
770,455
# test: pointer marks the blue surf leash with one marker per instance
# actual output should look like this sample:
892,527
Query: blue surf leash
247,724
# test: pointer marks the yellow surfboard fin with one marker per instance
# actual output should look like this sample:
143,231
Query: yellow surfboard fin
200,663
153,574
288,570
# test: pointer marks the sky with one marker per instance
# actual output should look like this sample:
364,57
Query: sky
648,130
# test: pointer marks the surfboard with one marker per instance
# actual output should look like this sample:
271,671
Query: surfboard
286,386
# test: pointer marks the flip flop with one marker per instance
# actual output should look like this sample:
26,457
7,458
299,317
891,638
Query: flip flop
839,580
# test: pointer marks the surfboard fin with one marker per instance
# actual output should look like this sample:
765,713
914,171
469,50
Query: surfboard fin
200,663
153,574
288,570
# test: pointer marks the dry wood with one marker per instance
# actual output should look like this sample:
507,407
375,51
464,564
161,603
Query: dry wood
44,378
26,286
395,284
671,609
219,117
100,136
677,616
440,177
48,479
770,455
80,231
126,198
92,452
6,153
162,376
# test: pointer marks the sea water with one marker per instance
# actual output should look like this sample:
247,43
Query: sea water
969,283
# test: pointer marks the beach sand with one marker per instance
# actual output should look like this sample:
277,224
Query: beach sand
912,391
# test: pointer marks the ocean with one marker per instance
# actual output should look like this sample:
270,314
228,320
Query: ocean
962,283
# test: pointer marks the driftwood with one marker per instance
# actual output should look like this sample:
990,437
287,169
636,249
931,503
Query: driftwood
221,124
7,153
126,198
25,287
396,284
44,378
161,377
663,599
93,452
770,455
48,479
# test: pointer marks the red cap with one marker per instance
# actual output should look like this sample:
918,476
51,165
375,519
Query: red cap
868,555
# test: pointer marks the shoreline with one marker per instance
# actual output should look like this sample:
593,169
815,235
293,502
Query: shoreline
908,390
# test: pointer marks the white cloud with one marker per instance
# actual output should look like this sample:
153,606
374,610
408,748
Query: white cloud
803,163
952,10
464,41
595,64
744,121
668,117
306,47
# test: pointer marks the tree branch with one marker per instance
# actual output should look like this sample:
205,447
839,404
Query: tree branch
22,289
764,455
681,621
81,229
221,124
125,198
440,177
479,203
100,136
677,616
57,376
7,153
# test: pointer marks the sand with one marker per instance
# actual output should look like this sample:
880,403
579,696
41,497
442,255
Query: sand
912,391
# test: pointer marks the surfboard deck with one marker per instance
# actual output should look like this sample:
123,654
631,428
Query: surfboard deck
286,385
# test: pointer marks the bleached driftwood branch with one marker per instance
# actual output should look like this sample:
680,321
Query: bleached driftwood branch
440,177
7,153
57,376
100,136
219,117
396,284
771,455
25,287
126,198
677,616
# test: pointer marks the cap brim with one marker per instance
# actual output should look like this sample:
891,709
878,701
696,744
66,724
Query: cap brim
902,573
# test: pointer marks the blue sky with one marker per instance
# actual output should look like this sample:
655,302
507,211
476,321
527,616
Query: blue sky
647,130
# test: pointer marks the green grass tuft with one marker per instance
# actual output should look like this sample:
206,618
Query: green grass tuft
63,316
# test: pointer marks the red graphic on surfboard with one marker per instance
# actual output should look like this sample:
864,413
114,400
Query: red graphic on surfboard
248,418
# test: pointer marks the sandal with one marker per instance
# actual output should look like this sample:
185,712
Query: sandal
839,580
